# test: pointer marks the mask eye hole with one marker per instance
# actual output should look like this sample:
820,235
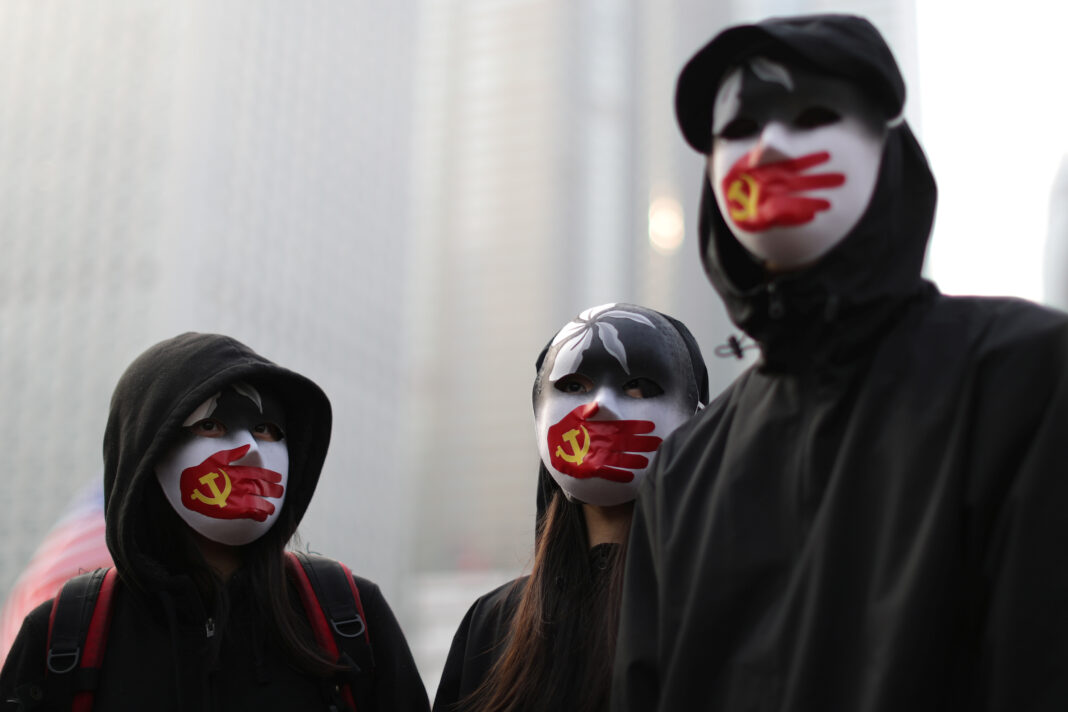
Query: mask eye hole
816,116
207,428
268,432
642,388
574,383
740,127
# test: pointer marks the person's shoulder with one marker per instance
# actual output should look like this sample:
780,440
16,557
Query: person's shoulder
501,601
40,614
25,661
1001,321
366,586
694,433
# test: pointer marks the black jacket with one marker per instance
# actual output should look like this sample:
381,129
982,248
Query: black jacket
483,635
159,653
153,664
477,644
871,518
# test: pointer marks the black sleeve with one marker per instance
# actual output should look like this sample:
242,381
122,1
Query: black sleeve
635,675
1018,498
24,667
397,686
449,687
478,642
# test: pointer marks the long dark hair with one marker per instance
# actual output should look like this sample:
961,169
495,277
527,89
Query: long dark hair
562,638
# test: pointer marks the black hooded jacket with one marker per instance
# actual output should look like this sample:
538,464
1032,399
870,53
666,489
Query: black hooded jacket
872,517
159,653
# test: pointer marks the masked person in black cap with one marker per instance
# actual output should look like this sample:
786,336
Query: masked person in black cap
871,518
610,386
211,456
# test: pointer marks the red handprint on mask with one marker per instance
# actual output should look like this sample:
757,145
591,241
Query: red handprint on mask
760,197
215,488
586,448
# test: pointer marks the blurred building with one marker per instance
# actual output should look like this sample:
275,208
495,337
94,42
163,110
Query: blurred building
544,132
403,201
231,167
1055,287
550,177
547,153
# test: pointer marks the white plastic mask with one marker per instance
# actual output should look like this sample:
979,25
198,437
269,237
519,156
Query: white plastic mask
613,385
227,475
795,157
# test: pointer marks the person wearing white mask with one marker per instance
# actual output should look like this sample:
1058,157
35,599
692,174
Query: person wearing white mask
610,386
871,516
211,456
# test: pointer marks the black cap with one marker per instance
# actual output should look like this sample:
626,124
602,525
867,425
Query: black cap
844,46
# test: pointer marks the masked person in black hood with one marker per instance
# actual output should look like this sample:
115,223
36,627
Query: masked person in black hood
211,456
871,518
610,386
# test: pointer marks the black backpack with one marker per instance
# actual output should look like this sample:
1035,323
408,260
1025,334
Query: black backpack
81,616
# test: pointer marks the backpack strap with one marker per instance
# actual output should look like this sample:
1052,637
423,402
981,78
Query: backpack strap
332,603
77,637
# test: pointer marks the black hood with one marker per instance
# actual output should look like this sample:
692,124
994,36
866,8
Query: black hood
155,395
546,484
827,309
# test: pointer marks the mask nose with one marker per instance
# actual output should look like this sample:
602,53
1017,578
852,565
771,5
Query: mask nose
253,457
607,405
771,147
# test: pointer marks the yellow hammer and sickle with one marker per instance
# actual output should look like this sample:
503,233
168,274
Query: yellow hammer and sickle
577,453
746,192
217,498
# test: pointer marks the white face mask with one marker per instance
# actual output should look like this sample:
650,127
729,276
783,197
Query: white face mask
227,476
795,157
613,385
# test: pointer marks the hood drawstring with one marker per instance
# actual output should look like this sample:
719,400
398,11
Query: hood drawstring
734,347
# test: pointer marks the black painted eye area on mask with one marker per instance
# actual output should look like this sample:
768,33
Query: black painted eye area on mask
814,117
574,383
740,127
639,387
642,388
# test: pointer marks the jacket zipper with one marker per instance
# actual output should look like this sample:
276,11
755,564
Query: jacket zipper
209,627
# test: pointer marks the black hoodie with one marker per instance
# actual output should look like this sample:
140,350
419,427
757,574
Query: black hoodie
159,655
871,518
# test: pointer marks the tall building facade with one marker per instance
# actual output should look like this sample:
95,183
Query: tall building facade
237,168
547,155
1055,282
550,177
543,135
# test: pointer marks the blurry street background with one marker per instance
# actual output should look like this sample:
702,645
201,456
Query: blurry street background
403,201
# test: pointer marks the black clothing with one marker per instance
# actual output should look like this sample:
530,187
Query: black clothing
844,46
575,602
483,635
151,663
478,643
872,517
173,643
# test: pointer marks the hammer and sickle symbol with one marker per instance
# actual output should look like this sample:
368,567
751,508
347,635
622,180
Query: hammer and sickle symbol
746,192
577,453
217,498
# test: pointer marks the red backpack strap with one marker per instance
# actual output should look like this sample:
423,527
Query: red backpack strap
332,603
77,637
